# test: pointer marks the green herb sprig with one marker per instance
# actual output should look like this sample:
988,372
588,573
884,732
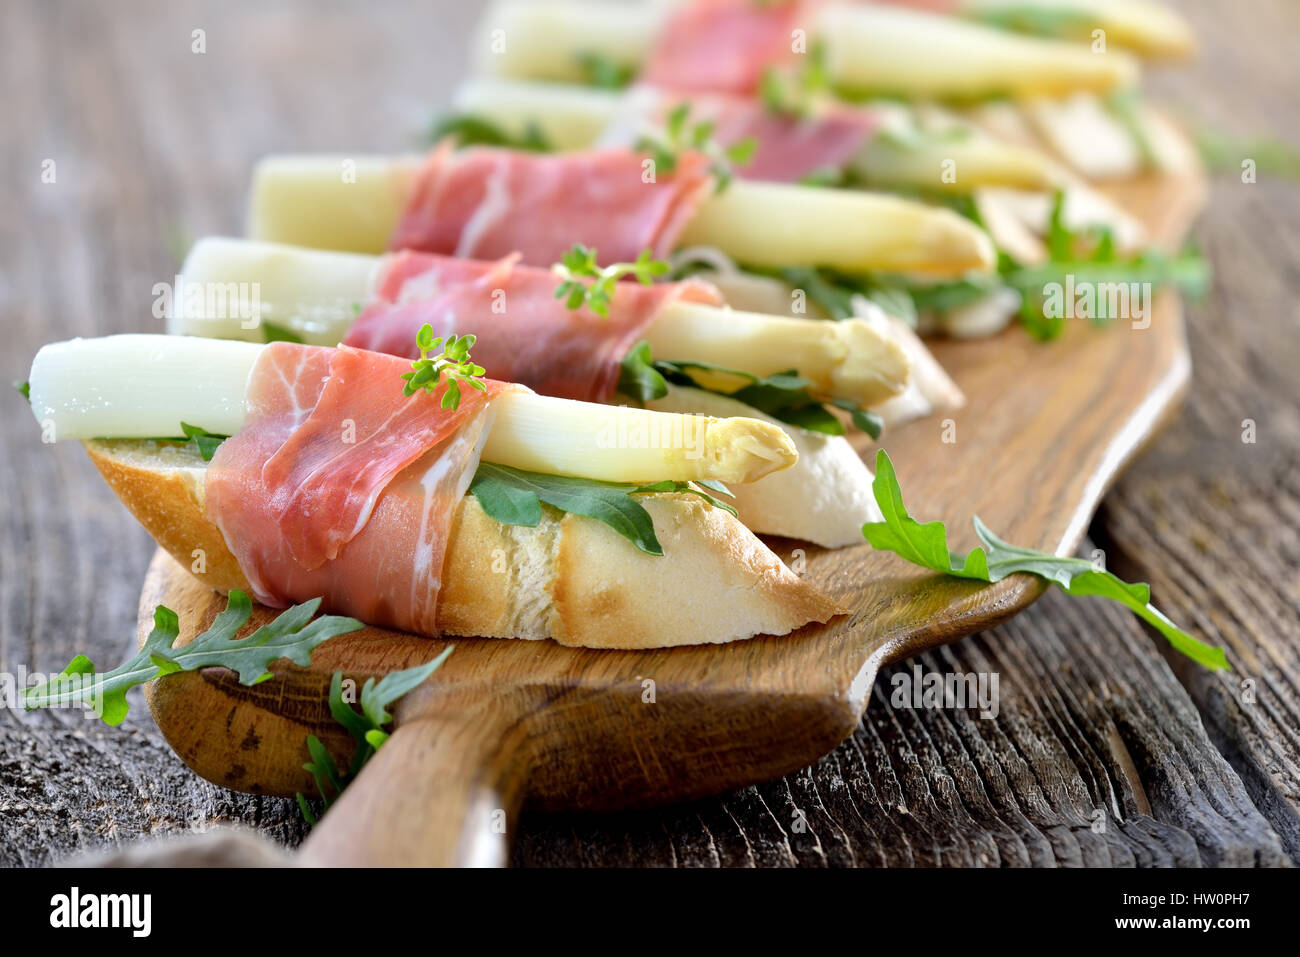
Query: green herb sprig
796,93
292,635
927,545
1090,255
470,130
605,73
453,360
786,396
584,282
274,332
681,136
366,727
515,497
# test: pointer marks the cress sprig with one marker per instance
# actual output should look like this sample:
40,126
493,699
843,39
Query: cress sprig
579,264
795,93
453,359
681,136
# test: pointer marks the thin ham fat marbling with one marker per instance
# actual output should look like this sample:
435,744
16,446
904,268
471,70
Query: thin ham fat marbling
526,335
487,203
340,486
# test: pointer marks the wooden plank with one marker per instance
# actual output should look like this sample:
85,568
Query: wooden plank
1096,758
1210,518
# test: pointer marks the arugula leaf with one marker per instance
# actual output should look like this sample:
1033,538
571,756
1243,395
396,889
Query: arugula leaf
453,359
471,130
834,291
827,177
1126,107
638,378
680,137
25,388
273,332
1091,258
1089,255
366,728
206,442
579,264
292,635
605,73
863,419
786,396
927,545
515,497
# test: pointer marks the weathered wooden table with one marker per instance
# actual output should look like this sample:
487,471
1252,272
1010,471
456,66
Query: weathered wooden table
151,141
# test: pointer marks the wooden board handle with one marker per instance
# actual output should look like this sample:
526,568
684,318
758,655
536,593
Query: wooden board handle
443,791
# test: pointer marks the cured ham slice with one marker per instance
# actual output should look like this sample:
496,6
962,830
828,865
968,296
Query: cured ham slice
724,46
526,335
340,486
486,203
789,148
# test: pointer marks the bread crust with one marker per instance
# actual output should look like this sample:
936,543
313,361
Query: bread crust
571,578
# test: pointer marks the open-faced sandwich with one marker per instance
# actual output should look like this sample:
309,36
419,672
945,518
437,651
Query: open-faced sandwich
423,497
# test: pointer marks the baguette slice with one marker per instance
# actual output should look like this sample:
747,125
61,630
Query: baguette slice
571,578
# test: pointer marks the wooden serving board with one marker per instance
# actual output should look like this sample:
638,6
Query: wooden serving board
1047,428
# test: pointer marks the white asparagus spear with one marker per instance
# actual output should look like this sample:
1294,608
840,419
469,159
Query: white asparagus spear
572,117
316,294
1150,29
547,40
354,203
930,389
873,47
881,49
775,224
144,386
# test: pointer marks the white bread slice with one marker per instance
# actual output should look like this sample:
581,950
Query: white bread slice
570,578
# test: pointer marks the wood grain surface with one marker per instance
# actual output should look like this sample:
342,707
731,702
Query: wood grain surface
153,145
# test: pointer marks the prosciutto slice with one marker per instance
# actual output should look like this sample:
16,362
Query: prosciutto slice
341,487
724,46
486,203
790,148
526,335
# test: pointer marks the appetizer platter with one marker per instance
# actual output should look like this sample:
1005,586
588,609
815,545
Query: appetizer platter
597,433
